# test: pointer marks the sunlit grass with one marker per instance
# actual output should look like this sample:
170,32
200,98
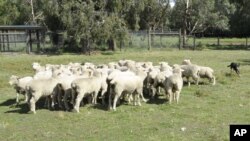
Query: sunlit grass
204,111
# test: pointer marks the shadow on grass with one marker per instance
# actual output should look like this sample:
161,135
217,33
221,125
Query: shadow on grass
101,107
228,47
22,108
157,101
9,102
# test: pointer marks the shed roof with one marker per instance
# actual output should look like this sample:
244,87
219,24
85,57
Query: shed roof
20,27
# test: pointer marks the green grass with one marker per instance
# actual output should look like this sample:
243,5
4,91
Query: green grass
205,111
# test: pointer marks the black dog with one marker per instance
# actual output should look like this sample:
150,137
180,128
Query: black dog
235,67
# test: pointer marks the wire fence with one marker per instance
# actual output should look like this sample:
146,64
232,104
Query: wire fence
172,39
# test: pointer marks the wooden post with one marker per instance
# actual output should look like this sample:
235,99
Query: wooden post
3,40
149,39
0,43
38,41
194,42
7,40
246,42
161,37
28,42
15,38
180,39
218,41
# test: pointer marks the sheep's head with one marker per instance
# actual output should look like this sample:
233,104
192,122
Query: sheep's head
178,71
13,80
186,62
35,65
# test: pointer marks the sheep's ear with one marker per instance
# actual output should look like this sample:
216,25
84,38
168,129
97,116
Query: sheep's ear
182,70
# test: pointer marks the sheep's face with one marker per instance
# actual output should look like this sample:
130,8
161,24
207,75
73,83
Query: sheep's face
186,62
178,71
35,65
13,80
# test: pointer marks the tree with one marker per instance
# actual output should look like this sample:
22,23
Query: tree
8,12
194,16
240,20
155,14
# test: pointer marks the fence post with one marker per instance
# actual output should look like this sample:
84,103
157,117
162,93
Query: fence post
3,40
28,42
246,41
218,41
7,39
180,39
149,38
194,42
1,43
38,41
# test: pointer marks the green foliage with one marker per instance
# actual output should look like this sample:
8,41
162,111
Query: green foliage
8,12
202,14
240,20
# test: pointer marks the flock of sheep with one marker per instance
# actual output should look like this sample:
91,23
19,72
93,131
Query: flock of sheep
68,85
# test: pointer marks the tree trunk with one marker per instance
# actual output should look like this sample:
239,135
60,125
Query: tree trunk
111,44
149,38
185,24
84,43
184,37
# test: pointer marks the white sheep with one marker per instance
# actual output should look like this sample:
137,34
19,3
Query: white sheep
190,70
173,85
159,81
41,88
131,84
20,86
204,72
37,67
84,86
165,67
46,74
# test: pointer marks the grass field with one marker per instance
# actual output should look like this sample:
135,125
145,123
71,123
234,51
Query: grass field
205,111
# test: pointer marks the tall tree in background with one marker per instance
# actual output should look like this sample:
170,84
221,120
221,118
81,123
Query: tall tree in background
240,20
194,16
155,14
8,12
116,11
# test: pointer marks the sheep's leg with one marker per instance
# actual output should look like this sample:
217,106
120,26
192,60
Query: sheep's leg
78,101
138,98
143,99
153,93
66,94
110,101
188,81
196,79
104,90
158,90
17,98
53,101
177,94
214,81
129,98
103,97
73,94
170,95
95,97
33,105
59,98
115,101
134,99
46,102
